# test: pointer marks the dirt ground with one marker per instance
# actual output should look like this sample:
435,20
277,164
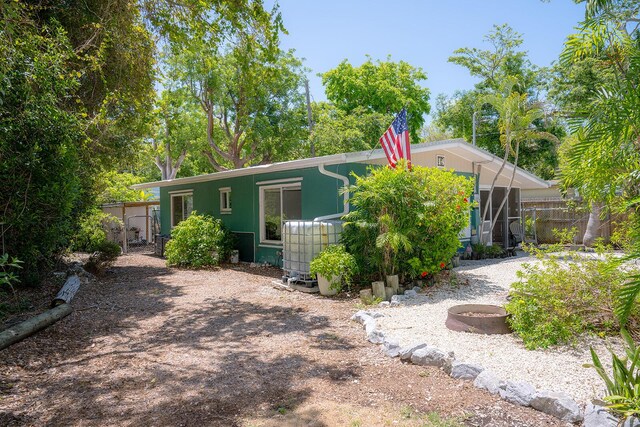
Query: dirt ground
152,346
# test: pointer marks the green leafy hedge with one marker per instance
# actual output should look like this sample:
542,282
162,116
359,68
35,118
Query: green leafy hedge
406,221
198,241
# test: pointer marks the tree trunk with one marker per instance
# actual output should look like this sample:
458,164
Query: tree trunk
593,225
67,292
33,325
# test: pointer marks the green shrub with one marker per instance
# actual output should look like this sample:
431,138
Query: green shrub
198,241
335,262
406,221
557,300
106,252
91,234
623,386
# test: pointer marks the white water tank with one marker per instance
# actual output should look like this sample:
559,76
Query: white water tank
302,241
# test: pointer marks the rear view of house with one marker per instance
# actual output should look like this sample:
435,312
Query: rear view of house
254,202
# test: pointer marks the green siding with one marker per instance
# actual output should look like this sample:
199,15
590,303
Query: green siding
320,197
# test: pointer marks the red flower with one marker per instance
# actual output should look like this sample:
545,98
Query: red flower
442,264
458,207
460,193
424,274
466,200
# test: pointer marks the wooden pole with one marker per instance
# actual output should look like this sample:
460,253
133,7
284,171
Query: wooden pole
33,325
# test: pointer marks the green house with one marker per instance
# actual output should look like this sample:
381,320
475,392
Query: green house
253,202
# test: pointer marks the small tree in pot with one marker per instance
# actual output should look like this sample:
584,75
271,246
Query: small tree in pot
334,267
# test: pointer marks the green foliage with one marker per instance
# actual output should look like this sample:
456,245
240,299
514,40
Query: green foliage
556,300
414,217
7,275
336,131
383,87
90,235
565,236
623,386
504,61
105,253
487,251
336,265
198,241
115,187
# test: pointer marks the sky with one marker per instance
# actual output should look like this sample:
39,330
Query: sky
423,33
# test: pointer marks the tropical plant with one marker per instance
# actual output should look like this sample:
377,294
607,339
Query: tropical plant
558,299
603,158
335,264
7,275
198,241
516,118
406,221
623,386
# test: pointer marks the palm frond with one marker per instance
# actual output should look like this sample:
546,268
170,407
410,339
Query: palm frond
626,298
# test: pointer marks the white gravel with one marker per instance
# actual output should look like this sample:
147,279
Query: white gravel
422,320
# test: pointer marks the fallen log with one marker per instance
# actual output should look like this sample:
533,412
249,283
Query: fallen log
67,292
33,325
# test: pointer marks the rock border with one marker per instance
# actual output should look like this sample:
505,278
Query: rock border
557,404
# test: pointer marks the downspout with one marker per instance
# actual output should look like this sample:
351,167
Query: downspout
344,179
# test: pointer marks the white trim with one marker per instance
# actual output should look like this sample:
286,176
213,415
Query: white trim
279,181
225,196
357,157
177,192
263,240
274,244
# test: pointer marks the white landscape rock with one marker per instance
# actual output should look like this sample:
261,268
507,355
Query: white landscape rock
375,337
410,293
518,392
465,371
597,416
487,380
631,422
384,304
560,405
391,347
431,356
407,352
361,316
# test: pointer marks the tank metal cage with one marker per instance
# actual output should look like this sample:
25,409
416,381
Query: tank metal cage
302,241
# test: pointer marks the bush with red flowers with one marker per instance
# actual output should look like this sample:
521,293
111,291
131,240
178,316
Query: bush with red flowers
406,222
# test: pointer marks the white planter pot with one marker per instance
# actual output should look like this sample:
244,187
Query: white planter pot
325,286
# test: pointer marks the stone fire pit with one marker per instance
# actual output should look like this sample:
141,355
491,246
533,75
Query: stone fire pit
478,318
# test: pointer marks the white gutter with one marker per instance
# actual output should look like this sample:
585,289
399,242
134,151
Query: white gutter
344,179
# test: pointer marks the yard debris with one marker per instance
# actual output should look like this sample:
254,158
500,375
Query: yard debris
560,405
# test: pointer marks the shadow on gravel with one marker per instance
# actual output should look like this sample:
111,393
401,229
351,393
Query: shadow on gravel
141,379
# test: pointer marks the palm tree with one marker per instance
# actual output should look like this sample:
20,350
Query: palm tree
604,160
516,118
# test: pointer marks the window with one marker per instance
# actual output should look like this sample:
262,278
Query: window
278,203
181,207
440,161
225,200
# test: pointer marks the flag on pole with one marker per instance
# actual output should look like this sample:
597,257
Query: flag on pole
395,141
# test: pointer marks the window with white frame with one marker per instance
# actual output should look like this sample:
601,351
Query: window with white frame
440,161
181,207
225,200
278,203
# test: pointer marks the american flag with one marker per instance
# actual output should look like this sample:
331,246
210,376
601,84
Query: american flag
395,141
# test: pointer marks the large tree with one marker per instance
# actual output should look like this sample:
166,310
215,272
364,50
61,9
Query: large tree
383,87
503,60
249,91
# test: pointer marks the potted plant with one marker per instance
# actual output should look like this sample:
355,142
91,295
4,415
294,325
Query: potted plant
333,267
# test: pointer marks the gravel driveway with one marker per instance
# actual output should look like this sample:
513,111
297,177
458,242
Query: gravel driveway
488,282
151,346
